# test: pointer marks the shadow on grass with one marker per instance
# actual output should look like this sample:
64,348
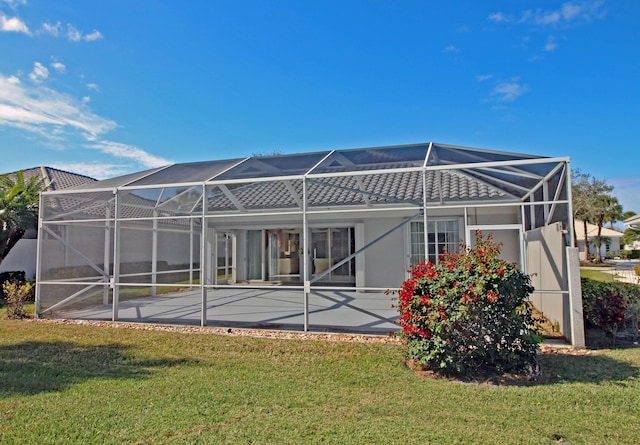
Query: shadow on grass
34,367
566,368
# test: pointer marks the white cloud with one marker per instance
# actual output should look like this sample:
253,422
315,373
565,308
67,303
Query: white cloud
15,24
58,66
450,49
86,99
509,90
60,117
94,35
551,44
51,29
39,73
93,170
47,112
572,12
547,17
13,4
499,17
12,24
483,77
130,152
75,35
93,86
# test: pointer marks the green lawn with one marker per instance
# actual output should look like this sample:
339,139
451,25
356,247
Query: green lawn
81,384
597,275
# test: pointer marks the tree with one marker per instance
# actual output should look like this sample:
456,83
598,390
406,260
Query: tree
607,208
18,209
630,235
592,203
615,212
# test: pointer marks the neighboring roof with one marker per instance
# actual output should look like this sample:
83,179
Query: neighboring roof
592,231
633,222
54,179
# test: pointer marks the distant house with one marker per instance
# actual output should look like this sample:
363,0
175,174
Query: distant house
633,223
610,239
23,255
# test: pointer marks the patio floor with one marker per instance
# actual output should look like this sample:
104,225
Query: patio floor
329,310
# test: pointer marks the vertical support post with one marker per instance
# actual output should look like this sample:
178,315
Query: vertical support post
545,197
116,256
106,255
424,214
524,242
40,241
203,258
575,297
305,255
532,212
214,254
570,205
360,258
234,256
154,254
191,253
467,235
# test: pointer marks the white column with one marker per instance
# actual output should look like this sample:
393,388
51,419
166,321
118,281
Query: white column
106,255
116,258
575,297
305,253
154,254
203,258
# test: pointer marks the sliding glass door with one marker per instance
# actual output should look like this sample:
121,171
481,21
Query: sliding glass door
330,247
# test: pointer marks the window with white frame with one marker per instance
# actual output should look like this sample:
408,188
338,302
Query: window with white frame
442,236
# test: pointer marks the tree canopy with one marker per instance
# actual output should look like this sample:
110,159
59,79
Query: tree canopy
594,203
18,209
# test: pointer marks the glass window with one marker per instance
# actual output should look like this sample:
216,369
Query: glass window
442,236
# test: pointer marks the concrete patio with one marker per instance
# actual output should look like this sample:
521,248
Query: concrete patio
329,310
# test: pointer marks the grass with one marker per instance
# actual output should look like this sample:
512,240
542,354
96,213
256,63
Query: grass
597,275
82,384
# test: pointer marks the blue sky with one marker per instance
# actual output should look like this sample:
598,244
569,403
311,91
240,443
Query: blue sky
107,88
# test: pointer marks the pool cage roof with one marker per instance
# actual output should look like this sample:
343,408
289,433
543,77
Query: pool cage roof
417,175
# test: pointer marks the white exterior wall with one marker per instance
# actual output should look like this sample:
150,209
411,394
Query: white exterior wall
387,260
22,257
614,246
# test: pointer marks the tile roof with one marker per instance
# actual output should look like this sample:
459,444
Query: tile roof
592,231
54,179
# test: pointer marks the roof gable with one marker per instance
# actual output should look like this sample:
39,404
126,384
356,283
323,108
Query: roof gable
53,178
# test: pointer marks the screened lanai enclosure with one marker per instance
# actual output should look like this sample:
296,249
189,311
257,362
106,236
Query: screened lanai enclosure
307,241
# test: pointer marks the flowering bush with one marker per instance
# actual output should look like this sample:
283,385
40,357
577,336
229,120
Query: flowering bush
468,315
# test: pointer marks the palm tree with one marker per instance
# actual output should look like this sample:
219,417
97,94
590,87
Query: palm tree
592,203
18,209
615,212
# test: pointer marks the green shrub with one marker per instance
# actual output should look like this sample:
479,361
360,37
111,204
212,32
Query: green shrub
468,315
601,302
17,275
16,293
